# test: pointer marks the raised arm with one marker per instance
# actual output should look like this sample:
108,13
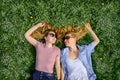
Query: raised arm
29,32
94,36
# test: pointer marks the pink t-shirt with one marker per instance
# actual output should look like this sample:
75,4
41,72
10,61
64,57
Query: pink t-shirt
45,57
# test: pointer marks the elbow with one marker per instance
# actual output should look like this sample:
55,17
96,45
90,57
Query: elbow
97,42
26,35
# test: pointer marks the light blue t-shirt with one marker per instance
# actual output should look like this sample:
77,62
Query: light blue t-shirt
85,58
76,70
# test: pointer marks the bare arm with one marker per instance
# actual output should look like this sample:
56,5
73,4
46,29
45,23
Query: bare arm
57,66
29,32
94,36
62,73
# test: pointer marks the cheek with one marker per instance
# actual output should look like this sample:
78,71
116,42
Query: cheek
67,42
72,42
54,39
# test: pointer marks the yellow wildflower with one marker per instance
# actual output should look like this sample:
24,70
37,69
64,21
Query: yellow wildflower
102,4
31,17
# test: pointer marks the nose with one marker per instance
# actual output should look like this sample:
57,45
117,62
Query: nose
65,40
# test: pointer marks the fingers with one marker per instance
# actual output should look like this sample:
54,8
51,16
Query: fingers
87,24
43,23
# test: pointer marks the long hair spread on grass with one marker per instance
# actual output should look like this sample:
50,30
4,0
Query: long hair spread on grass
77,31
42,31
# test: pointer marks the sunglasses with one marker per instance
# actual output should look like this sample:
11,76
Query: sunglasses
52,35
67,37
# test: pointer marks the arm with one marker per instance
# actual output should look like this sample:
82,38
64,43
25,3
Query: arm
57,66
94,36
62,73
29,32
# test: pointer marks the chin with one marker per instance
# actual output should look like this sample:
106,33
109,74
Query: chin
66,45
53,42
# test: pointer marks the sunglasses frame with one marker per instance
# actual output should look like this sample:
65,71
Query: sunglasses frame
67,37
52,35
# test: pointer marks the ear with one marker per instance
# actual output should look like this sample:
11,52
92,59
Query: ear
45,38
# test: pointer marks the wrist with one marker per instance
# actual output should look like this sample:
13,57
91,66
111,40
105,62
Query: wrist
39,25
90,30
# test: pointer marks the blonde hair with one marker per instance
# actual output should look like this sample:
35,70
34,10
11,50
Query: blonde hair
42,31
75,31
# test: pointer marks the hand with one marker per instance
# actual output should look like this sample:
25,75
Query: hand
87,25
41,24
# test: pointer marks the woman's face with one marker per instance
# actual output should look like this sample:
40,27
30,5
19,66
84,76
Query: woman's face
69,40
51,37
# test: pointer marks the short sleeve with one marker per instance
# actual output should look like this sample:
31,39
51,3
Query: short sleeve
38,44
90,47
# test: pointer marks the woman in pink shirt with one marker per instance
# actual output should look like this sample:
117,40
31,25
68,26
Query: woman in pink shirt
47,54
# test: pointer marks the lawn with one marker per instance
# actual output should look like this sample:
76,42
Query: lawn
17,56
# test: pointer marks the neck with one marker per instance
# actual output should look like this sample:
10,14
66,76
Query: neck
73,48
48,45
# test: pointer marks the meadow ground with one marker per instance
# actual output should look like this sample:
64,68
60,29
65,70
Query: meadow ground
17,56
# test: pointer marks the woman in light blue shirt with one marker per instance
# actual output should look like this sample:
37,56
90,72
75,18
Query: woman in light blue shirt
75,59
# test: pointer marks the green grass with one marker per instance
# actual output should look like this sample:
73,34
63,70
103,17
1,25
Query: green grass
17,56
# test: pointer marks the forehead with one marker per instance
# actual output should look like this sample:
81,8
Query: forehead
51,32
68,34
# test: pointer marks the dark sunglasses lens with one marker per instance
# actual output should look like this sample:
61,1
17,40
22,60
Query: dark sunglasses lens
52,35
67,37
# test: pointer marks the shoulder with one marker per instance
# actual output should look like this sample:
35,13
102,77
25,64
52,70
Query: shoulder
90,46
57,49
87,47
39,44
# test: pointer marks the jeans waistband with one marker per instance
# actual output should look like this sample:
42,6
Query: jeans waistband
41,72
